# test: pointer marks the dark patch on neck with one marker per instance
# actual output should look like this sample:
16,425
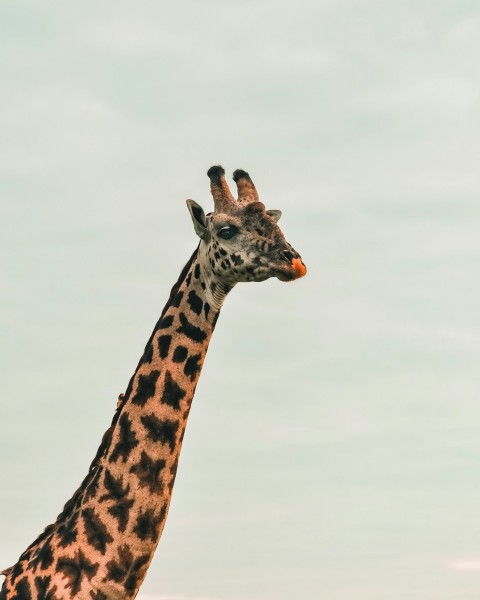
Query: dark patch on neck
172,392
136,573
42,585
67,531
121,512
149,473
118,569
92,488
118,494
22,591
158,430
126,569
192,367
114,488
192,332
165,322
148,524
95,530
43,556
180,354
177,299
25,556
16,571
145,388
127,440
195,302
74,569
164,345
148,355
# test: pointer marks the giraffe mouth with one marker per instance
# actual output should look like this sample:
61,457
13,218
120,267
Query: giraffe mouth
295,270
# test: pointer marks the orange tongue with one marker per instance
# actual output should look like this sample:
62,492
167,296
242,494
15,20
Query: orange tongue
298,267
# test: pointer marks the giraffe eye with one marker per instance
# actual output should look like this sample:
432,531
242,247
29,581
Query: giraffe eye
228,232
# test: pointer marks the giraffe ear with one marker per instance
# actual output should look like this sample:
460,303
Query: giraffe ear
198,218
275,214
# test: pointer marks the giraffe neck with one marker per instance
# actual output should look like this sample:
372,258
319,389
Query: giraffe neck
102,543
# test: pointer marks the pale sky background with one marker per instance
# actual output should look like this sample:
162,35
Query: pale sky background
333,447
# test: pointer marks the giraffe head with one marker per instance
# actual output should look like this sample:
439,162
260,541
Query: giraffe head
240,240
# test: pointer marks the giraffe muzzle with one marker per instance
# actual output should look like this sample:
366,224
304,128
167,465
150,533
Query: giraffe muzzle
292,267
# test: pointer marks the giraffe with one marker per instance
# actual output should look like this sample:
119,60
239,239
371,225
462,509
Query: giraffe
101,544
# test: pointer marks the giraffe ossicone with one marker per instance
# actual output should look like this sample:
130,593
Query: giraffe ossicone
101,544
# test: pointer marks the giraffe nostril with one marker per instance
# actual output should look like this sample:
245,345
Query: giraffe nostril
287,255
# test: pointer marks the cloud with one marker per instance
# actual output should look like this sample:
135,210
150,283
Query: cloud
52,127
445,96
472,564
253,52
413,31
465,32
126,37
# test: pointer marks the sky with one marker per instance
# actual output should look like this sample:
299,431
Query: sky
332,448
